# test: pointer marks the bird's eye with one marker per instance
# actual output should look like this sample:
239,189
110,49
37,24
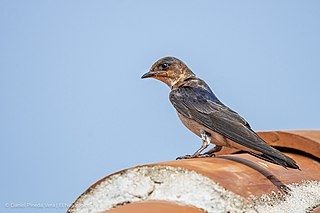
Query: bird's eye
165,66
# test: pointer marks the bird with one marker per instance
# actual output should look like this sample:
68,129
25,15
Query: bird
205,115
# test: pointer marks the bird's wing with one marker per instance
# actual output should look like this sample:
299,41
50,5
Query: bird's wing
197,104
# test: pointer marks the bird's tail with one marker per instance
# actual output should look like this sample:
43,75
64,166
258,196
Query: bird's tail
282,160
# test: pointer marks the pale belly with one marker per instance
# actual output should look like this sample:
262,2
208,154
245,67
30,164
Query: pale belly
215,138
195,127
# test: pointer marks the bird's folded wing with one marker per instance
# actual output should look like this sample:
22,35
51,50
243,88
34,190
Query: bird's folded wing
198,104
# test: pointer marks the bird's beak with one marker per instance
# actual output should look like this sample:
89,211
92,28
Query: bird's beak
154,74
148,75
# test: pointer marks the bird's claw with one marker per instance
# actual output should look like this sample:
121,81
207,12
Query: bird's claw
185,157
205,155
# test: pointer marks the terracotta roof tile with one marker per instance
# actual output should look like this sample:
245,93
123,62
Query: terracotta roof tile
232,181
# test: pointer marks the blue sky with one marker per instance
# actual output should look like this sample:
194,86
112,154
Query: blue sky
74,109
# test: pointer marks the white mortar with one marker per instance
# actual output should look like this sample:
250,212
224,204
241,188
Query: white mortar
189,188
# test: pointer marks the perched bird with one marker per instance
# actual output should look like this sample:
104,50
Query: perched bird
206,116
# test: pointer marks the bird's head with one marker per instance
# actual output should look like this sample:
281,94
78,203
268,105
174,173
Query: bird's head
169,70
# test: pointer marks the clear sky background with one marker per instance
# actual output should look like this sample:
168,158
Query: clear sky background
73,107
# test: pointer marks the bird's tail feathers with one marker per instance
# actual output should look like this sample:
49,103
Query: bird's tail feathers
287,163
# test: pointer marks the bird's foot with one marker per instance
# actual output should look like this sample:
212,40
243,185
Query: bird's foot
185,157
205,155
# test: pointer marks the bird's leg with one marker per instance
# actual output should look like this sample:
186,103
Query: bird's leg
205,143
211,152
